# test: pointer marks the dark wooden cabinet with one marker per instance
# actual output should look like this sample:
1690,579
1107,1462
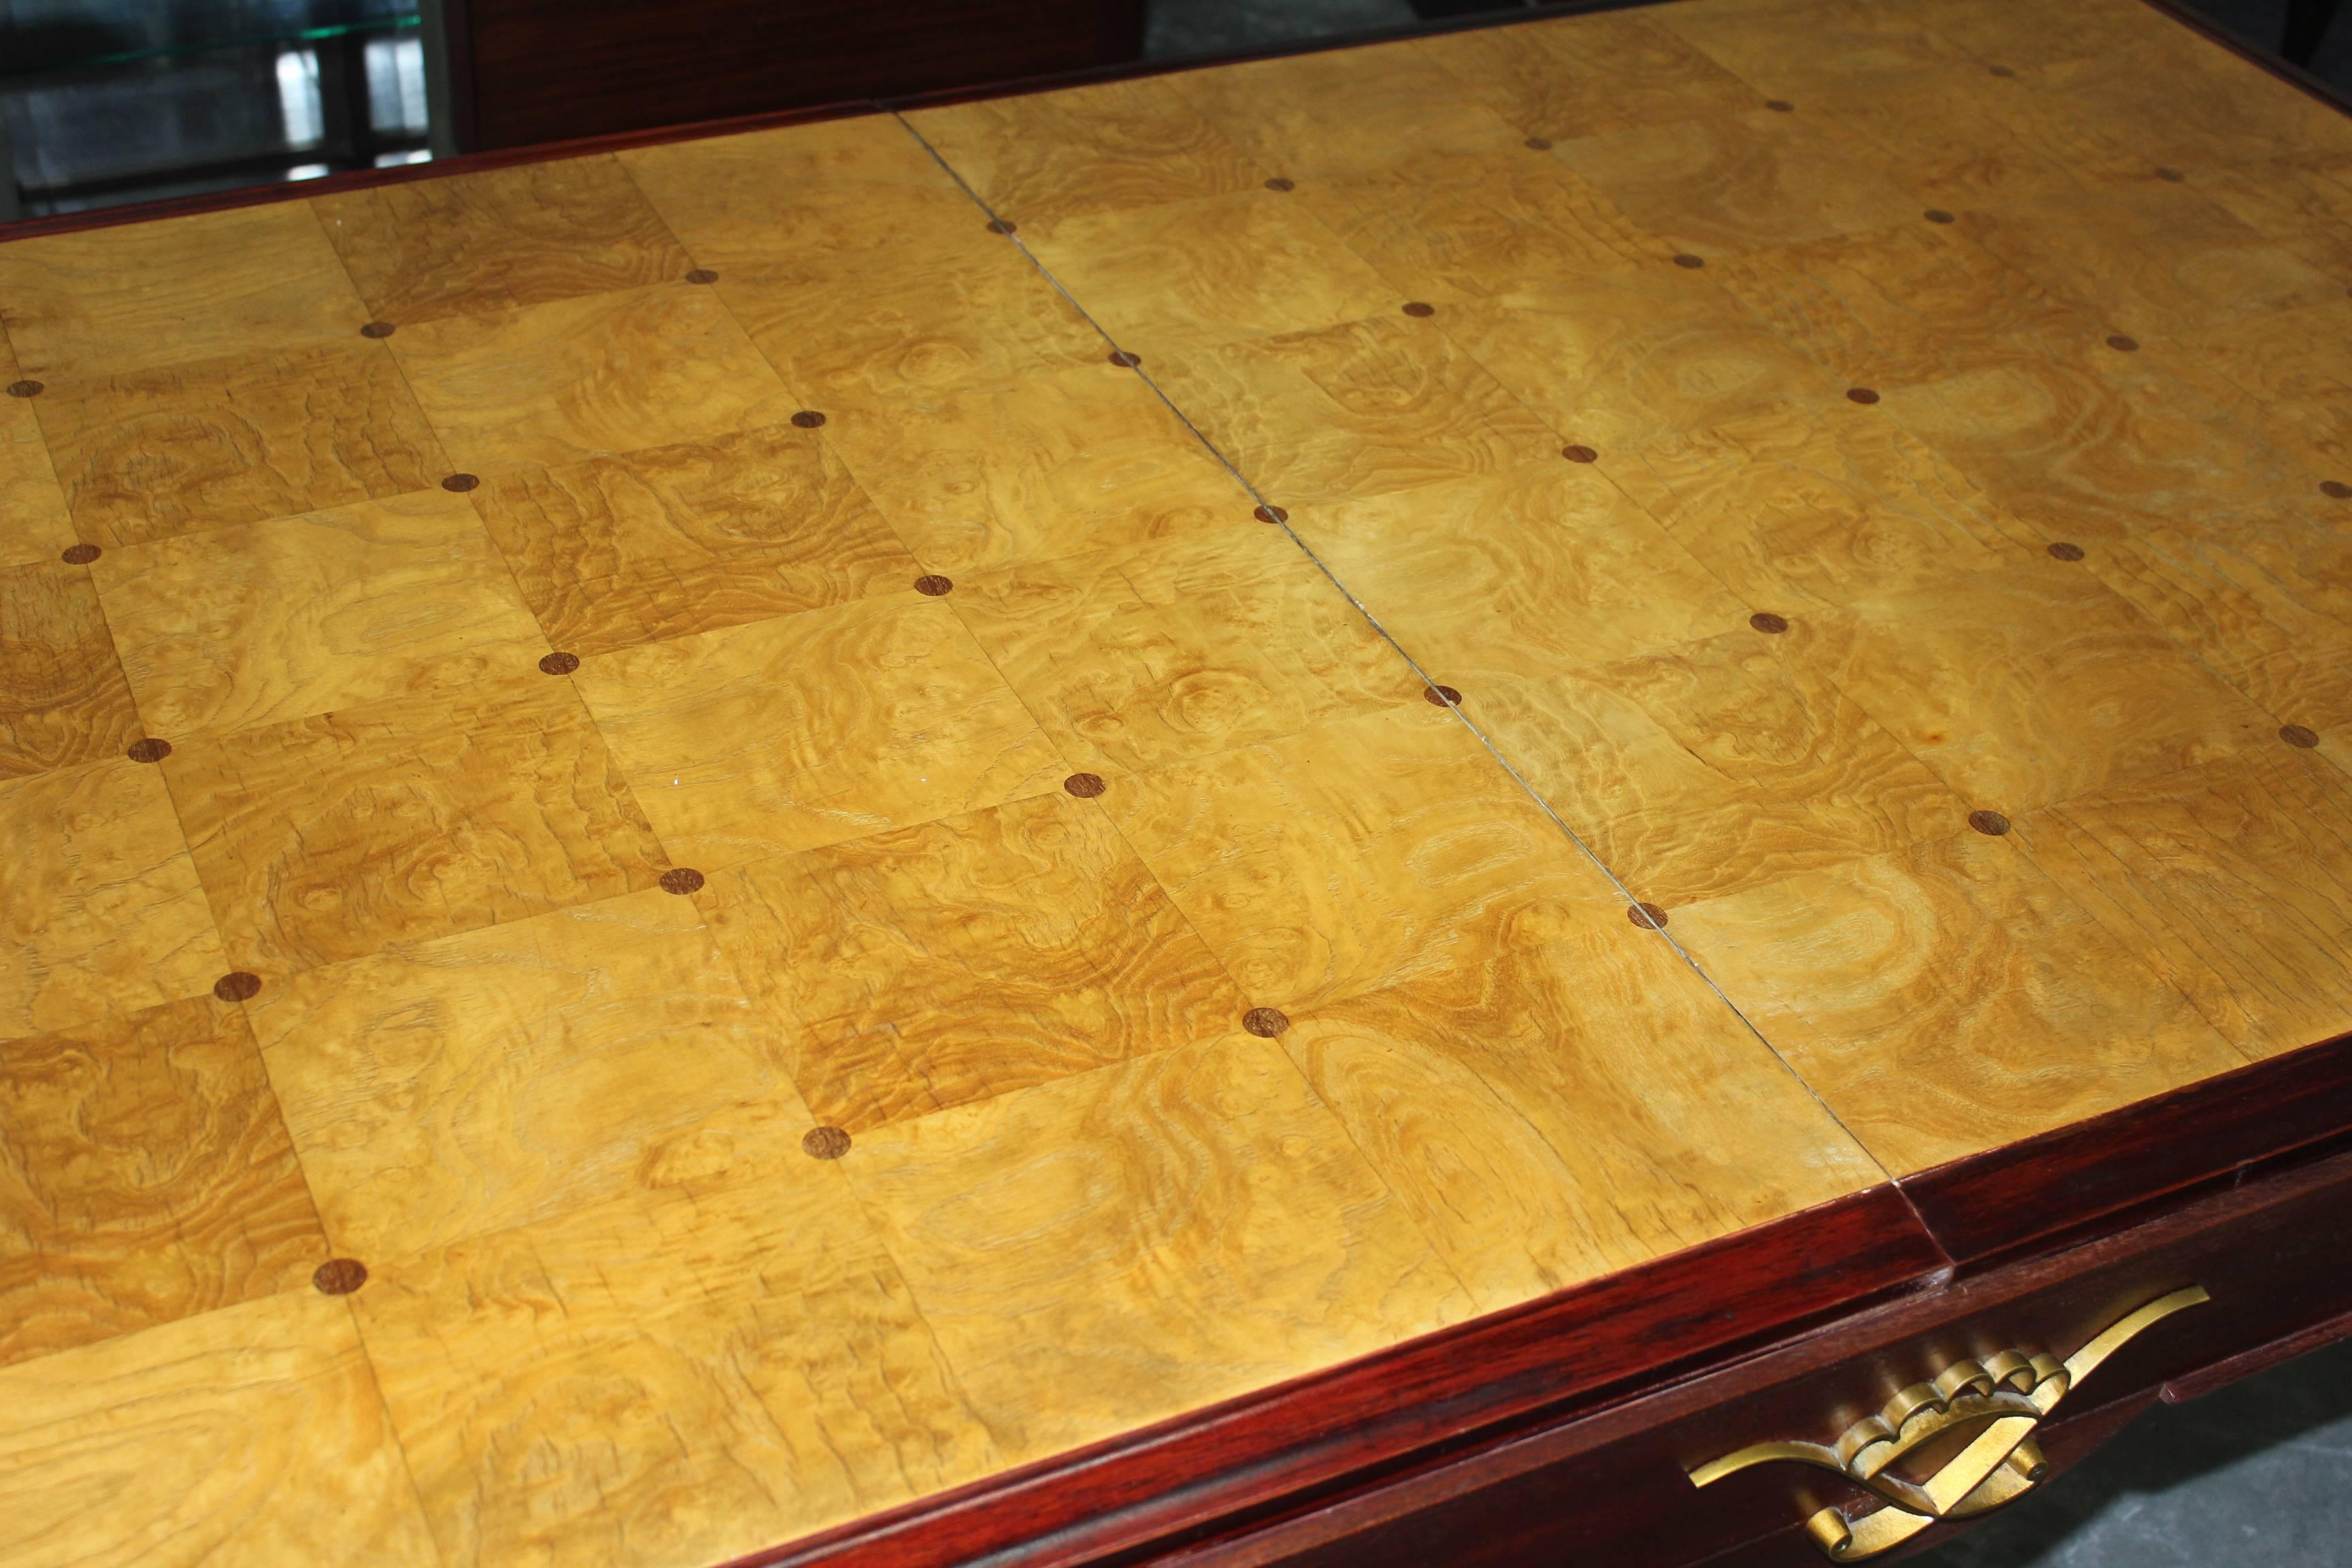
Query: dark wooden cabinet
527,71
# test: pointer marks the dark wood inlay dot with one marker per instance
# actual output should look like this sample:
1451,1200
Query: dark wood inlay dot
460,483
1687,259
702,275
237,985
1279,184
2062,550
1990,823
934,585
1579,453
378,330
25,388
558,663
1866,395
1271,514
2298,735
1266,1022
1441,695
681,879
1769,623
825,1142
80,554
338,1275
149,748
1648,916
1086,786
808,419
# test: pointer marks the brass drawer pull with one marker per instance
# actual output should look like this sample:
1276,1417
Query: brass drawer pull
2001,1398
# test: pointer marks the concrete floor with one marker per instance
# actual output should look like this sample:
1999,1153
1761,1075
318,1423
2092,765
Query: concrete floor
2258,1474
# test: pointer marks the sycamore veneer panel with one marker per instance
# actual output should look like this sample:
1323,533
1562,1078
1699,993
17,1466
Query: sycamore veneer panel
2298,364
1167,652
498,239
2181,101
327,839
1056,464
62,697
1844,40
104,913
1040,1230
1252,262
2030,685
1588,75
671,541
1736,182
578,378
148,1179
1948,997
2303,200
757,1370
1052,155
148,453
445,1088
959,310
252,282
1351,411
812,729
963,959
801,193
247,1437
1957,137
34,523
2233,881
1619,359
1798,509
243,626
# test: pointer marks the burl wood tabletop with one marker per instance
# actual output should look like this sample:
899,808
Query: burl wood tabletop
699,840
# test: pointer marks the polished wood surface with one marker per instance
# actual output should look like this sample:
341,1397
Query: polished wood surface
866,803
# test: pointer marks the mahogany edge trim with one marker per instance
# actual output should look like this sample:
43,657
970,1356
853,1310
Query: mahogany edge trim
2043,1188
1226,1465
2261,1357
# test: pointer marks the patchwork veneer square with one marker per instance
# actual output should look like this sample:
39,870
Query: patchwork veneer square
34,523
799,193
1588,76
2083,442
812,729
104,913
1845,41
143,1421
1103,148
1252,262
578,378
960,310
148,453
1057,464
1694,770
1800,510
1618,360
2232,880
1955,137
2031,685
254,281
2263,598
2181,103
2302,200
445,1088
258,624
63,701
1947,997
498,239
333,837
1548,557
721,1394
1915,302
1039,1229
1166,652
2152,257
1510,1106
2297,365
961,960
1355,410
671,541
1443,224
1739,182
151,1179
1320,117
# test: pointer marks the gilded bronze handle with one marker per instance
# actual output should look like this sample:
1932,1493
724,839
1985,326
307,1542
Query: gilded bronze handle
2002,1398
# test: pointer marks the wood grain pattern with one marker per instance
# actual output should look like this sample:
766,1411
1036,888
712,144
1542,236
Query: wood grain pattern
256,281
1168,652
671,541
151,454
1957,137
1948,997
954,962
148,1178
580,378
499,239
441,1089
2295,362
814,729
1047,1302
104,913
62,696
237,627
1588,75
1056,465
758,1370
2031,685
326,838
34,523
2233,881
241,1438
1845,41
2303,201
1085,149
